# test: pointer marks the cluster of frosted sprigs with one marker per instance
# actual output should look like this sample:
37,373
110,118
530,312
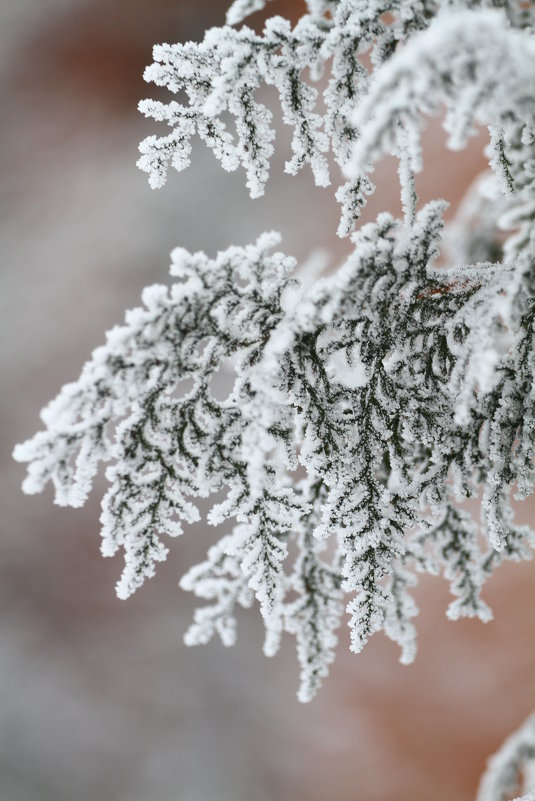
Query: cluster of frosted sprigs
512,768
366,407
221,76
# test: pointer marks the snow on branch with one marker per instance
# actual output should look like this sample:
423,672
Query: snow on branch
222,76
169,444
455,63
509,768
366,407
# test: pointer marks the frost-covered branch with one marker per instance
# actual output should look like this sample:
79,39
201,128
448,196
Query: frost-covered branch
366,407
511,769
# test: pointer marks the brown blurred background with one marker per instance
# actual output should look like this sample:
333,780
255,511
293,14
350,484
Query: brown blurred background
100,699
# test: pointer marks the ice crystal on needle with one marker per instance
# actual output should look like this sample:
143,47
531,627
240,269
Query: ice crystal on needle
366,407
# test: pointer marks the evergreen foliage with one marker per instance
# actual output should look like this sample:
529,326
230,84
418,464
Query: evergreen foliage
366,408
512,768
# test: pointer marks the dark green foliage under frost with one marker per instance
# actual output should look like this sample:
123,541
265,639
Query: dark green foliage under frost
366,408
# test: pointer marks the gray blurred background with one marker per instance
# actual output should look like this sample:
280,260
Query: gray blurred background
100,700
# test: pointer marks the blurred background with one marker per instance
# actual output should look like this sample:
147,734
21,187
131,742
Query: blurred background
100,700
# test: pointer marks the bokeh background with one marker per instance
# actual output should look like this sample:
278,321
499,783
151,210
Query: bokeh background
100,700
